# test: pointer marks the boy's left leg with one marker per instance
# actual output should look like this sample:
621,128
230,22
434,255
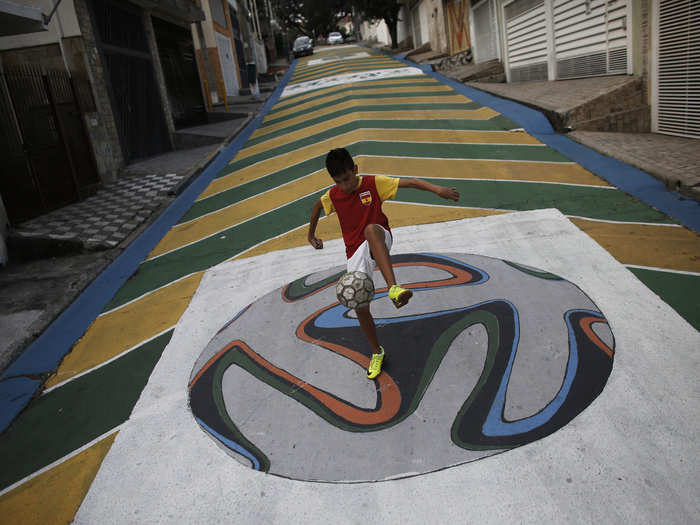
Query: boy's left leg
370,330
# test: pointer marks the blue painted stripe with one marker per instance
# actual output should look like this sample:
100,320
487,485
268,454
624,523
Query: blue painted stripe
495,425
47,351
230,444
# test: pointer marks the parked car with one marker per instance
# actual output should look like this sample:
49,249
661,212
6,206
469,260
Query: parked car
303,46
335,38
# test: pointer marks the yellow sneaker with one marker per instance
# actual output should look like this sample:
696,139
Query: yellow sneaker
399,296
375,364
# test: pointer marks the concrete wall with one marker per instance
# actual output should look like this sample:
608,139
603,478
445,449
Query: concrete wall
3,233
101,124
63,24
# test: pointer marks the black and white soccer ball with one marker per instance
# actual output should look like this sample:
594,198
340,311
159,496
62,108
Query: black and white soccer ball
355,290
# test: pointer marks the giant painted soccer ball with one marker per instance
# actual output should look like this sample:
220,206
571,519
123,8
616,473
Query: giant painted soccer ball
488,355
355,290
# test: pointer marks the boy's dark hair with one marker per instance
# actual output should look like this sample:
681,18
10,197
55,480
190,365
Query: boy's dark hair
338,161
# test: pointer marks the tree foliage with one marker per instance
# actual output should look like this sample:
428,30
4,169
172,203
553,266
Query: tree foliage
309,17
319,17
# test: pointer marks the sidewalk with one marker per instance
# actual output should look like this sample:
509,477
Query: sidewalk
582,108
673,160
55,256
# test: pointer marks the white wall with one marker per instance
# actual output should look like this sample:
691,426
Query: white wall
375,32
403,28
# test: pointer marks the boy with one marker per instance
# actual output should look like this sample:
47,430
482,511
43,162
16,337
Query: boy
358,203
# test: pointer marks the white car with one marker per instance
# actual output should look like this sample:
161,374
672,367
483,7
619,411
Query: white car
335,38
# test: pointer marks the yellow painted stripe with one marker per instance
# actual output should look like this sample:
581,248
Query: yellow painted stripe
349,60
348,104
237,178
117,331
566,173
403,135
55,495
189,232
429,83
338,64
342,69
400,214
667,247
362,113
386,100
277,163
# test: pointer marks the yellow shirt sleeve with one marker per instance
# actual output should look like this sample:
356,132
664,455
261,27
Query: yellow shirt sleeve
327,203
386,187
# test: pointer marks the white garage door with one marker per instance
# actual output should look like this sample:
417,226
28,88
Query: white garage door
676,107
526,40
590,37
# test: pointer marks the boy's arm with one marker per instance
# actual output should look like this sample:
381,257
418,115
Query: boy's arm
313,221
441,191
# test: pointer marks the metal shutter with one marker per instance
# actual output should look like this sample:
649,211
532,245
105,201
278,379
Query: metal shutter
526,40
590,37
679,68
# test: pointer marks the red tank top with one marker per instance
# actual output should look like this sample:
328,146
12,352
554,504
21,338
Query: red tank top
356,210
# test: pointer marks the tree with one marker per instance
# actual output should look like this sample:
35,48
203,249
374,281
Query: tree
388,10
309,17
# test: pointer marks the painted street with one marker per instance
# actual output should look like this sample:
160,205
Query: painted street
149,418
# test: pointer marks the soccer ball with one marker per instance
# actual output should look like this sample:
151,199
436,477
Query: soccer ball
355,290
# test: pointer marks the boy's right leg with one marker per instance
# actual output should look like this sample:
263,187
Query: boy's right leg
376,238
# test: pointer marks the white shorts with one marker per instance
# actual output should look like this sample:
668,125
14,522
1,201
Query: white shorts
361,260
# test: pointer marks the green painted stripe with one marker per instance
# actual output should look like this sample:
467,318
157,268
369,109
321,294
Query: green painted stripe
329,133
331,72
679,291
80,411
424,150
255,187
498,123
371,96
349,89
435,106
597,203
592,202
390,82
153,274
329,66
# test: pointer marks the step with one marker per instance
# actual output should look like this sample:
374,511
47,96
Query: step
635,120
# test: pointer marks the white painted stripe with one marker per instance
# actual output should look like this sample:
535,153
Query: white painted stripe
275,237
624,222
104,363
399,129
553,162
246,199
394,118
500,180
59,461
504,210
146,294
402,157
666,270
361,76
